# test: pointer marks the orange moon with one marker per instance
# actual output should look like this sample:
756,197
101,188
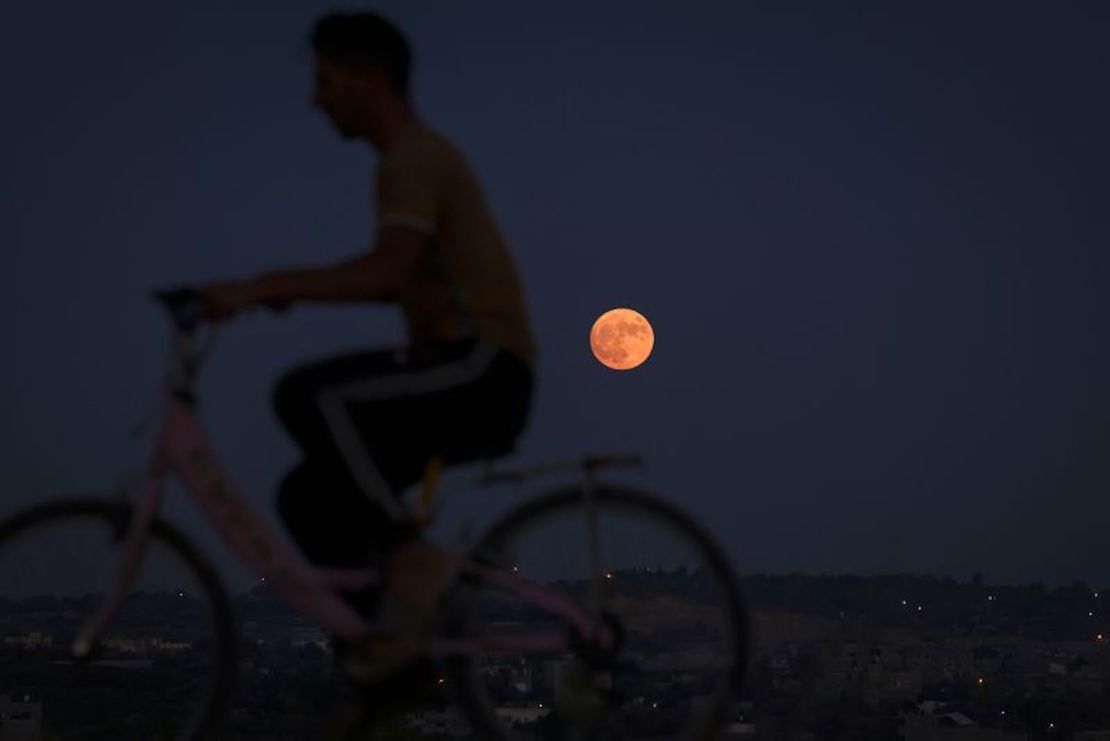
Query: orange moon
621,339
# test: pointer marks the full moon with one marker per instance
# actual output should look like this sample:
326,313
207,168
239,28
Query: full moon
621,339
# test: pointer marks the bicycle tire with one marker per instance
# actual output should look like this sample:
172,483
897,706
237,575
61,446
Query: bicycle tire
213,706
461,669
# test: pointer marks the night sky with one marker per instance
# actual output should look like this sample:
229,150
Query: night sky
873,243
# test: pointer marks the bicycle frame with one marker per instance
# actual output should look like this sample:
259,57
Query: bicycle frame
183,450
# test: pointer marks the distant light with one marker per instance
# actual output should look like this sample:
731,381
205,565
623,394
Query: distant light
541,706
609,575
180,594
1099,637
655,704
981,681
1003,712
920,608
439,681
1090,614
1051,725
904,603
990,598
516,569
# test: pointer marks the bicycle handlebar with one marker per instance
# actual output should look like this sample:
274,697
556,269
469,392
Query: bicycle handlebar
185,312
183,306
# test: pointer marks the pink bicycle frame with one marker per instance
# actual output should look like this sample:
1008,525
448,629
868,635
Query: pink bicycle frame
182,449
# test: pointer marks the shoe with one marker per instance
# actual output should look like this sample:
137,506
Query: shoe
417,574
377,657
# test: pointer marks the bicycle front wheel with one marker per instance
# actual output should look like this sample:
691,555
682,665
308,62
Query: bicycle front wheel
164,667
623,558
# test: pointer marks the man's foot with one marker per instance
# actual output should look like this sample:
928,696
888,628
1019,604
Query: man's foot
377,656
417,574
344,721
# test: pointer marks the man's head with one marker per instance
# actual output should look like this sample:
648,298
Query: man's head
362,68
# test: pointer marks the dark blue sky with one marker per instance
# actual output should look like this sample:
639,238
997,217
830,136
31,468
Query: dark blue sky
873,243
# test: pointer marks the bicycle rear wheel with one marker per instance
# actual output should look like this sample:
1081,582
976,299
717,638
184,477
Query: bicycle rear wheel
165,666
653,575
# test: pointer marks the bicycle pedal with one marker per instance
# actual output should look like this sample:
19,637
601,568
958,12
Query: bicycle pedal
380,656
364,671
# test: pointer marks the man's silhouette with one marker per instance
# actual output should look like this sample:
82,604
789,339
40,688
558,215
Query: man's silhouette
368,422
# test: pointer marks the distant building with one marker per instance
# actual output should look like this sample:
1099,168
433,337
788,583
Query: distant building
953,727
20,719
554,673
124,663
516,716
740,730
161,644
890,684
439,723
29,641
775,629
125,645
309,636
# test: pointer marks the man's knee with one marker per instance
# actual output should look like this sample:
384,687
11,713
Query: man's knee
289,397
292,495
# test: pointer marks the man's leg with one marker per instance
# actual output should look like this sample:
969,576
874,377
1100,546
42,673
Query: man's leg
335,526
324,498
332,523
379,421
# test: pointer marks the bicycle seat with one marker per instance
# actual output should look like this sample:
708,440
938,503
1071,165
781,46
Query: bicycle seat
583,465
424,512
482,450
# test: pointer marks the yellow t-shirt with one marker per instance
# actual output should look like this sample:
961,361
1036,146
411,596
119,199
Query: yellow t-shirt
466,282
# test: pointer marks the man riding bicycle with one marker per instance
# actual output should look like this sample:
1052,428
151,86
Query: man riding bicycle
368,423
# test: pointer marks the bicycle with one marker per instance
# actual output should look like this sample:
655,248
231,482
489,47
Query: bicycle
591,611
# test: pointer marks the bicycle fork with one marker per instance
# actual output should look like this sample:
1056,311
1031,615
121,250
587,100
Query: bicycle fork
92,630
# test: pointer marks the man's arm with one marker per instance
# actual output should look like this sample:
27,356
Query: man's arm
377,275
